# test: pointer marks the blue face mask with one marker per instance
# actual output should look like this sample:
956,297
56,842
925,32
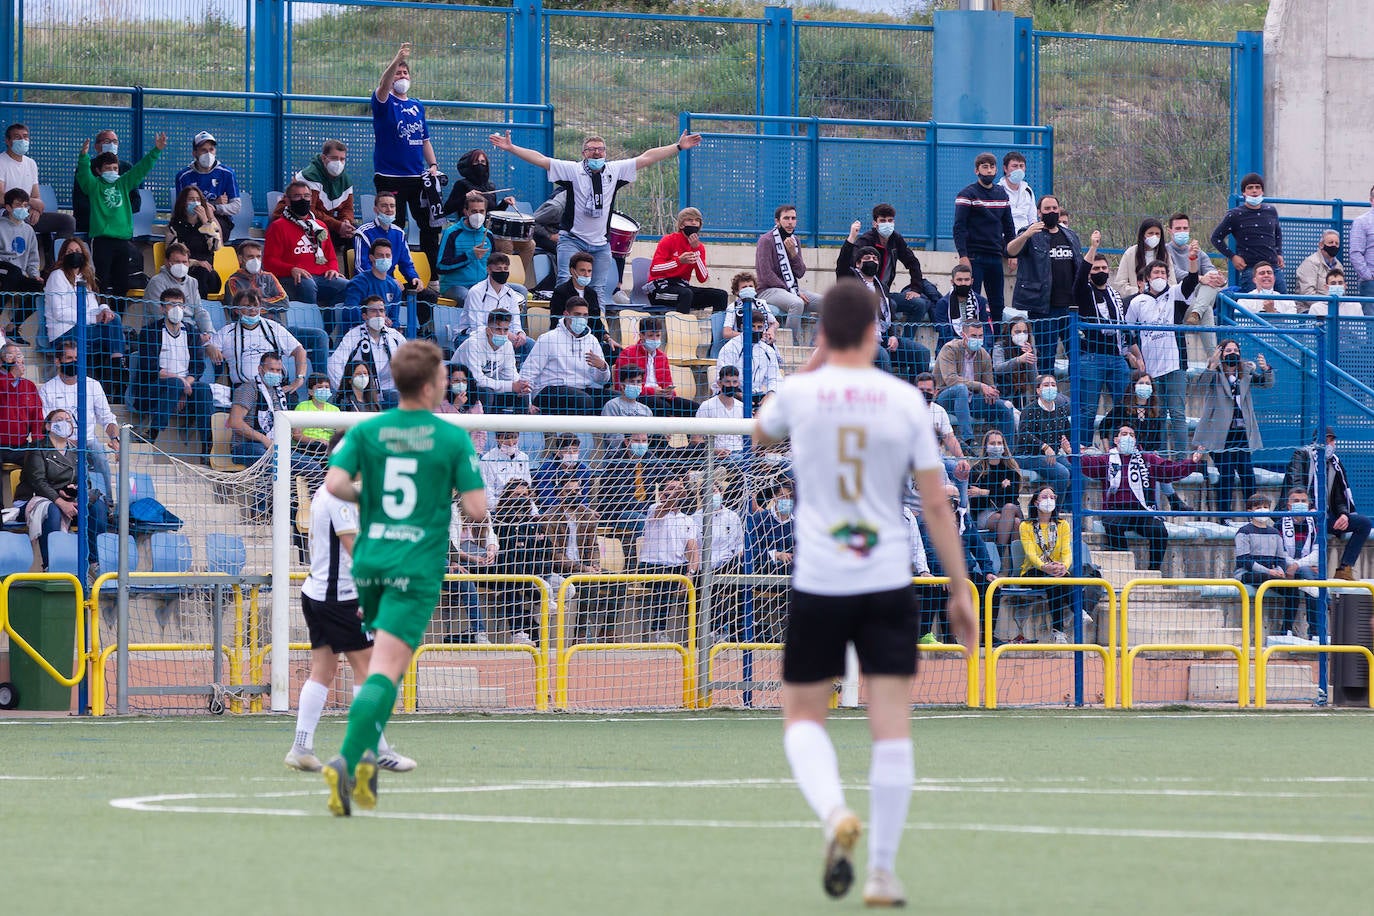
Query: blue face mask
577,324
20,147
633,391
20,213
581,280
975,344
785,507
1254,201
109,177
639,449
250,321
1048,395
1016,176
192,208
271,379
1125,445
596,165
886,229
499,337
383,265
112,148
383,219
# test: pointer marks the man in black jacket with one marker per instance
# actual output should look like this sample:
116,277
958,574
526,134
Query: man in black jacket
1341,516
982,230
169,363
1048,256
916,299
474,174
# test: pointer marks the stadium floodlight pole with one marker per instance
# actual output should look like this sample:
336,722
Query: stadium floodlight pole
281,563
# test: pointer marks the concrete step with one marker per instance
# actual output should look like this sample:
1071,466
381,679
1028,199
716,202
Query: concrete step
1216,682
440,687
1165,616
1183,634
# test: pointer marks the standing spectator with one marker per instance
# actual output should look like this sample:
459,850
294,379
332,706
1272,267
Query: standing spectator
916,299
780,266
951,452
657,391
1254,225
112,220
1202,307
1362,253
672,546
1106,355
566,369
1314,268
374,283
1048,546
168,365
592,185
679,259
371,344
728,404
17,170
1341,516
1228,428
463,250
403,160
503,463
474,174
1267,288
896,353
192,225
490,358
104,330
1044,279
215,180
381,226
959,304
175,275
240,344
21,409
1261,556
60,391
1014,363
1300,542
494,293
963,377
331,193
298,250
994,489
1158,303
1148,239
1043,438
765,366
47,487
525,550
19,262
1128,477
983,229
1019,193
106,141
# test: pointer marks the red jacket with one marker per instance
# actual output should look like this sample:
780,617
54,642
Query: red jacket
285,247
665,266
21,412
637,355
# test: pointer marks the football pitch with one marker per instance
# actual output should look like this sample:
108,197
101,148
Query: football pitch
1014,812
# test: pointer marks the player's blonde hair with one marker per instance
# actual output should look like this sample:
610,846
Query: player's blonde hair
415,365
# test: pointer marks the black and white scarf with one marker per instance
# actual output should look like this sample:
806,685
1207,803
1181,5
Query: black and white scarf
1334,471
784,262
314,231
1046,545
270,400
1288,530
1137,474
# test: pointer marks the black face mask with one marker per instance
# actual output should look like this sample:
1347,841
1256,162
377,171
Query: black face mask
929,395
500,276
478,173
1331,250
785,233
69,370
690,231
1051,220
962,290
731,391
74,260
869,268
986,180
300,206
1099,277
1230,359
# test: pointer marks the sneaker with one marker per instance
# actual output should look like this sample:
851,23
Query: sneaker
841,835
481,639
1344,572
396,763
340,787
521,638
929,640
365,782
1058,637
620,297
883,888
303,759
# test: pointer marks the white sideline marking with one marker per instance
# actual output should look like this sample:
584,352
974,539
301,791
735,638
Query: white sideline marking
7,778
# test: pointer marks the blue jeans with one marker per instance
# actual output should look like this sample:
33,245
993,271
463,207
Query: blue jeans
1097,370
907,361
1367,289
315,290
988,278
604,279
966,407
1050,331
1359,528
1054,472
1169,390
1234,461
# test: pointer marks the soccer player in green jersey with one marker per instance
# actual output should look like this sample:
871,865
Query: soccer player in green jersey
402,468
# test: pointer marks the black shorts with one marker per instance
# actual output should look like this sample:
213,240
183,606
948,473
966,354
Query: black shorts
334,625
881,625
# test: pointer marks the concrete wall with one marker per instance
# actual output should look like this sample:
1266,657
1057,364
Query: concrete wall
1318,61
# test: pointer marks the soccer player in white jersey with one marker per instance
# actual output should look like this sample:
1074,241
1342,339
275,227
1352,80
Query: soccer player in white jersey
856,434
329,602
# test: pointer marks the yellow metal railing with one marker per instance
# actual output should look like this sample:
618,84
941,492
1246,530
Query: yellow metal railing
1263,654
82,656
1238,652
1107,653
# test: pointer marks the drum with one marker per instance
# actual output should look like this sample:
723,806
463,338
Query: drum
622,234
509,224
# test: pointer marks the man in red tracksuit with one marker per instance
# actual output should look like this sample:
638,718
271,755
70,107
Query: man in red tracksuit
680,257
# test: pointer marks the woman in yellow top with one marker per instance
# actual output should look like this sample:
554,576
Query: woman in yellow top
1048,545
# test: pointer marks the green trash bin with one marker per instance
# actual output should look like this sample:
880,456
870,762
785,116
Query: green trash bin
44,613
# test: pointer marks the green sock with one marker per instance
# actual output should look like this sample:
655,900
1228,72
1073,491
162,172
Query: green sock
367,717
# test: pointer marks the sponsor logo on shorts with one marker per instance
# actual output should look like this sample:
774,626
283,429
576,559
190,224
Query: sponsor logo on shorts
380,531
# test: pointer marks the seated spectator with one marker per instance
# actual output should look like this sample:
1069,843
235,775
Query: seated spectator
578,285
917,298
1300,542
723,544
1128,477
252,419
315,440
961,302
1341,516
239,346
503,463
359,392
101,426
566,370
628,478
374,283
474,550
744,297
1042,441
965,386
571,527
951,451
215,180
1335,288
331,193
193,226
17,170
1228,428
382,226
727,404
780,266
106,141
627,402
47,488
1266,282
671,546
1313,270
994,489
19,262
1014,363
548,219
369,344
679,259
21,408
168,365
765,365
299,251
769,544
976,559
1048,546
897,354
463,250
562,458
525,550
104,330
490,358
251,276
457,400
112,221
930,599
174,275
494,293
1260,556
657,391
474,174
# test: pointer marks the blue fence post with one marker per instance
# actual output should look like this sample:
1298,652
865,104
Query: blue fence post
1024,104
779,100
684,167
136,121
1076,499
9,54
270,69
813,161
1047,183
526,58
933,183
1248,113
83,436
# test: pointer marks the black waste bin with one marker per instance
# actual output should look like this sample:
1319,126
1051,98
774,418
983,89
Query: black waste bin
44,613
1350,626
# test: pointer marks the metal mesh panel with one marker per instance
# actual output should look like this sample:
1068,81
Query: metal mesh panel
1144,125
244,140
954,171
1301,237
895,173
879,72
738,179
56,133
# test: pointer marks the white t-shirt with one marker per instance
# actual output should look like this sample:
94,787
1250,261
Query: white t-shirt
329,561
592,211
727,534
22,174
856,434
666,538
54,393
176,353
1023,210
1281,306
59,303
714,409
1158,348
243,347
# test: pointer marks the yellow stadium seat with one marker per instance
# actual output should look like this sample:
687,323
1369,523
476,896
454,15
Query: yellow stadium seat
226,262
684,339
220,458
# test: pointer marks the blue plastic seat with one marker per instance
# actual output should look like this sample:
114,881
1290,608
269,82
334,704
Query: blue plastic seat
62,552
16,553
225,553
171,553
107,555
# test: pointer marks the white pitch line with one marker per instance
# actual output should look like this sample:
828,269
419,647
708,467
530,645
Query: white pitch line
8,778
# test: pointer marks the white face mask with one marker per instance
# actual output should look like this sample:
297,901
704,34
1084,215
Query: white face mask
376,322
179,270
1046,506
175,314
1020,338
253,265
1152,242
205,160
1125,445
360,382
508,450
1159,284
475,220
402,85
334,167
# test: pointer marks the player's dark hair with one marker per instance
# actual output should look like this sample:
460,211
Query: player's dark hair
414,365
883,211
847,312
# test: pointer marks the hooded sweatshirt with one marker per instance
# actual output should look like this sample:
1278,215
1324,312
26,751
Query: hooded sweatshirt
331,199
472,177
111,209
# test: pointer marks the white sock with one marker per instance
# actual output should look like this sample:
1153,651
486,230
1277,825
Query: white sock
382,746
312,700
890,778
814,766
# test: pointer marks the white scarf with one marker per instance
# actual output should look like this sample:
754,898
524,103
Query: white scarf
275,399
1288,529
1137,476
784,262
1333,468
